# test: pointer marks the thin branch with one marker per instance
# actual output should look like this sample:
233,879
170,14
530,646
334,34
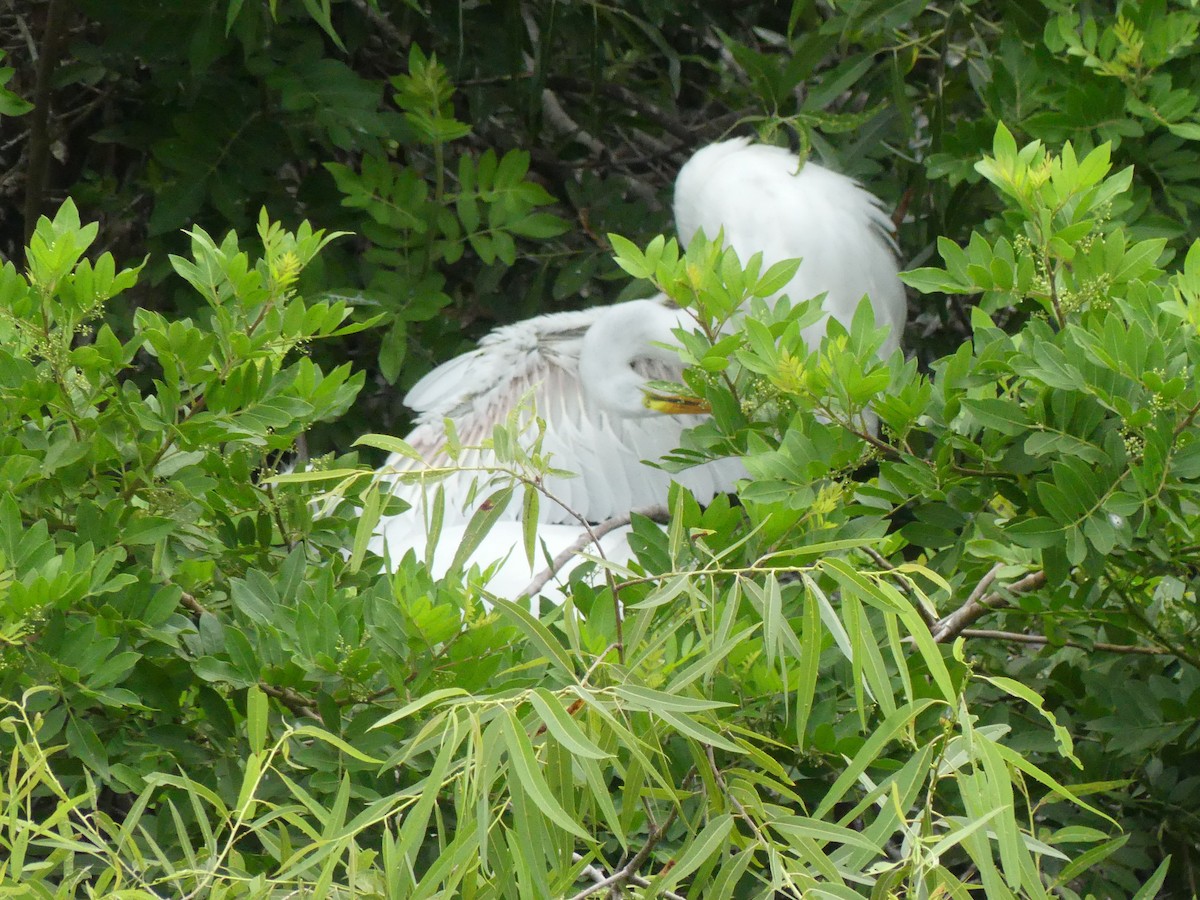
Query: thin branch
192,603
297,703
665,119
577,705
1186,422
597,875
737,804
38,168
1022,638
879,558
596,664
1155,632
395,37
586,539
984,583
1052,281
924,610
980,603
628,872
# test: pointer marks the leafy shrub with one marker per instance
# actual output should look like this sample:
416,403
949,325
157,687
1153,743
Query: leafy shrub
156,579
763,711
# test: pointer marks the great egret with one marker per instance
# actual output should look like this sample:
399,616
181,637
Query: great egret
584,372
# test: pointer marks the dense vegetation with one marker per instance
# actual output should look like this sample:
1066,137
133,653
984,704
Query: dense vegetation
961,657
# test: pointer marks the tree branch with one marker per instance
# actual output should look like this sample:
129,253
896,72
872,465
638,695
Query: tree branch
665,119
628,872
297,703
737,805
597,875
586,539
1021,638
980,603
38,168
190,602
924,610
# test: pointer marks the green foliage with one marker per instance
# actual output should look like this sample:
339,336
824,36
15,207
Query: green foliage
128,473
10,103
1056,454
746,711
1038,452
418,227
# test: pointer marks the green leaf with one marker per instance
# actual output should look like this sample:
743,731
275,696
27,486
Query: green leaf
706,844
629,257
650,700
869,752
932,281
256,719
528,771
1151,887
1004,416
419,704
688,726
147,530
560,724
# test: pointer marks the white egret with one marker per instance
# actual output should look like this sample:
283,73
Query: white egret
584,372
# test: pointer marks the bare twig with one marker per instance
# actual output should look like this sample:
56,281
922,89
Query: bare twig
984,583
663,118
38,168
597,875
927,613
192,603
595,665
1022,638
980,603
394,35
563,124
585,539
1052,282
292,700
628,872
879,558
737,804
1153,630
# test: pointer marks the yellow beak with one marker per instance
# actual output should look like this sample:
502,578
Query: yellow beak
676,405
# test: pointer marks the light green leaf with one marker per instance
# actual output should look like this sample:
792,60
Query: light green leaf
562,726
526,767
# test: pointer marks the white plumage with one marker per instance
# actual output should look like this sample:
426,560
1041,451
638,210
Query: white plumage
583,371
768,203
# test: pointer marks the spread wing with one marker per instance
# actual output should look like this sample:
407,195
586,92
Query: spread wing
538,361
767,203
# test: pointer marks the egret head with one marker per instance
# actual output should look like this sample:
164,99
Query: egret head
629,347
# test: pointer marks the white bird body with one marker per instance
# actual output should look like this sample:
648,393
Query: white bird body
583,371
766,202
